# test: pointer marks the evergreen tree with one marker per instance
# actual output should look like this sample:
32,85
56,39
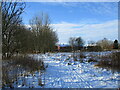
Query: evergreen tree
115,45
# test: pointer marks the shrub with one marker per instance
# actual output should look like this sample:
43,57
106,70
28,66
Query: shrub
92,60
112,61
115,61
82,55
94,48
28,62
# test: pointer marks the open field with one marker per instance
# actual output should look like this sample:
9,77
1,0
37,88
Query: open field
63,72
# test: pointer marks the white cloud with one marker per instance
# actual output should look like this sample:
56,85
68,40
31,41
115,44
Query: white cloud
87,31
65,25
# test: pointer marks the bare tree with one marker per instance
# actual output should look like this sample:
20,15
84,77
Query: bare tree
11,12
76,42
44,36
105,44
72,42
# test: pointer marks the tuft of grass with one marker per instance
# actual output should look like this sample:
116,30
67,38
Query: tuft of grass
82,55
75,59
81,61
69,63
92,60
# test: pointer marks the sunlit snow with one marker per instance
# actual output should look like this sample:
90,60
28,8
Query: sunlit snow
59,74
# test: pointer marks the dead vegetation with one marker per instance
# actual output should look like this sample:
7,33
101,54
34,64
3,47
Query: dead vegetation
92,60
19,66
111,61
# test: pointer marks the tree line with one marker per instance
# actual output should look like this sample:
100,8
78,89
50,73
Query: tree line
78,43
17,38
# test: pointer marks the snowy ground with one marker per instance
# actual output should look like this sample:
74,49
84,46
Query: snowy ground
60,74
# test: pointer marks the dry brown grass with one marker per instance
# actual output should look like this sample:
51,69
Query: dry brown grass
111,61
82,55
92,60
15,67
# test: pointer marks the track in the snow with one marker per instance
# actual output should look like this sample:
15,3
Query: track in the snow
80,79
72,74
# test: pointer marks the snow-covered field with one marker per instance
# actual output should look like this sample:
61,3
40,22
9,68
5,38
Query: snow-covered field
63,72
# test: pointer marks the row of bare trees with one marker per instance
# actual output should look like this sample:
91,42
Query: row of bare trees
106,44
17,38
103,44
44,36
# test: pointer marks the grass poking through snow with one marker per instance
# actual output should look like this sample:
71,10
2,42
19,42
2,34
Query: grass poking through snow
19,66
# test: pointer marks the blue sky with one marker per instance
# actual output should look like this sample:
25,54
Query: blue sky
90,20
